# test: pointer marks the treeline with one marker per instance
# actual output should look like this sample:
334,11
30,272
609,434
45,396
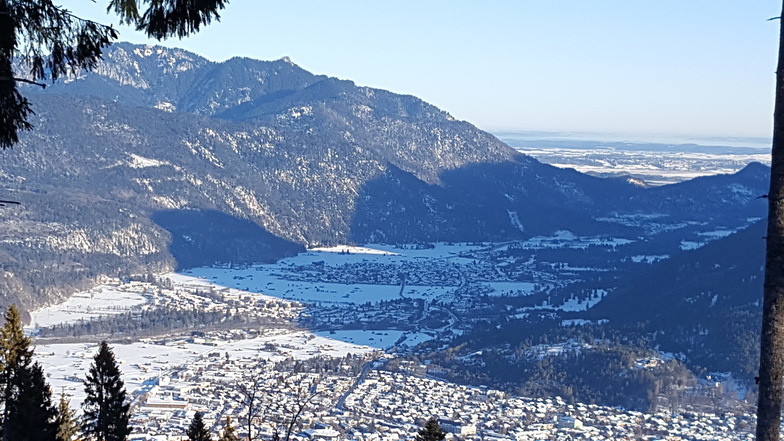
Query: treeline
158,321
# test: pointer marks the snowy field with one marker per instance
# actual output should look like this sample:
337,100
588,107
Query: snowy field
655,168
384,339
98,302
511,288
566,239
66,364
276,279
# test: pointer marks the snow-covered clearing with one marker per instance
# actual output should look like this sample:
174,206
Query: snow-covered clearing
86,305
382,339
575,304
511,288
272,281
566,239
649,259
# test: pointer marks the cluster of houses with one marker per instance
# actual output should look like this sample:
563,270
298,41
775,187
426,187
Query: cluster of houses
374,404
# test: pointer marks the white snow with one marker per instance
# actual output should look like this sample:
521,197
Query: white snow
379,339
574,304
716,234
515,220
649,259
97,302
654,167
281,281
351,250
65,364
137,161
566,239
687,245
581,322
270,280
511,288
548,350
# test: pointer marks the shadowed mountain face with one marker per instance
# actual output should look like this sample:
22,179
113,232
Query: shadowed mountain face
305,158
203,238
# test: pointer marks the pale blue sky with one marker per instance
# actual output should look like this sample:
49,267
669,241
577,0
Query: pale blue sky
629,67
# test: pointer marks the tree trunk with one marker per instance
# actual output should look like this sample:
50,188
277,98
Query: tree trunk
772,336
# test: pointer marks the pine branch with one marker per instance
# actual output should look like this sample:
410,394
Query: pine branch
23,80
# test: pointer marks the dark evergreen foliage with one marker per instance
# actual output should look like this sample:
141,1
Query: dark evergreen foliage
106,411
178,18
51,42
159,321
431,431
196,430
32,416
598,364
16,360
67,424
28,413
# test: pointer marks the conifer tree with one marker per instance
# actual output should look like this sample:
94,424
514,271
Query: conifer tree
32,416
106,411
15,359
67,424
229,434
197,431
431,432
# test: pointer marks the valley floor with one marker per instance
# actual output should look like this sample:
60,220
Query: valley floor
335,320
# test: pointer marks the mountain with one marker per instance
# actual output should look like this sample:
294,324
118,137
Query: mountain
160,154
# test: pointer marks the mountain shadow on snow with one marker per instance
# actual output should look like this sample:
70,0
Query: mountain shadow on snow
208,237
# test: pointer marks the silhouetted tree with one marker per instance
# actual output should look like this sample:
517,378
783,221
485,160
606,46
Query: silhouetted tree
250,390
302,392
105,408
283,416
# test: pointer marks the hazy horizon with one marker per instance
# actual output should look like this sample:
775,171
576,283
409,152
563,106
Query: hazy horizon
640,138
